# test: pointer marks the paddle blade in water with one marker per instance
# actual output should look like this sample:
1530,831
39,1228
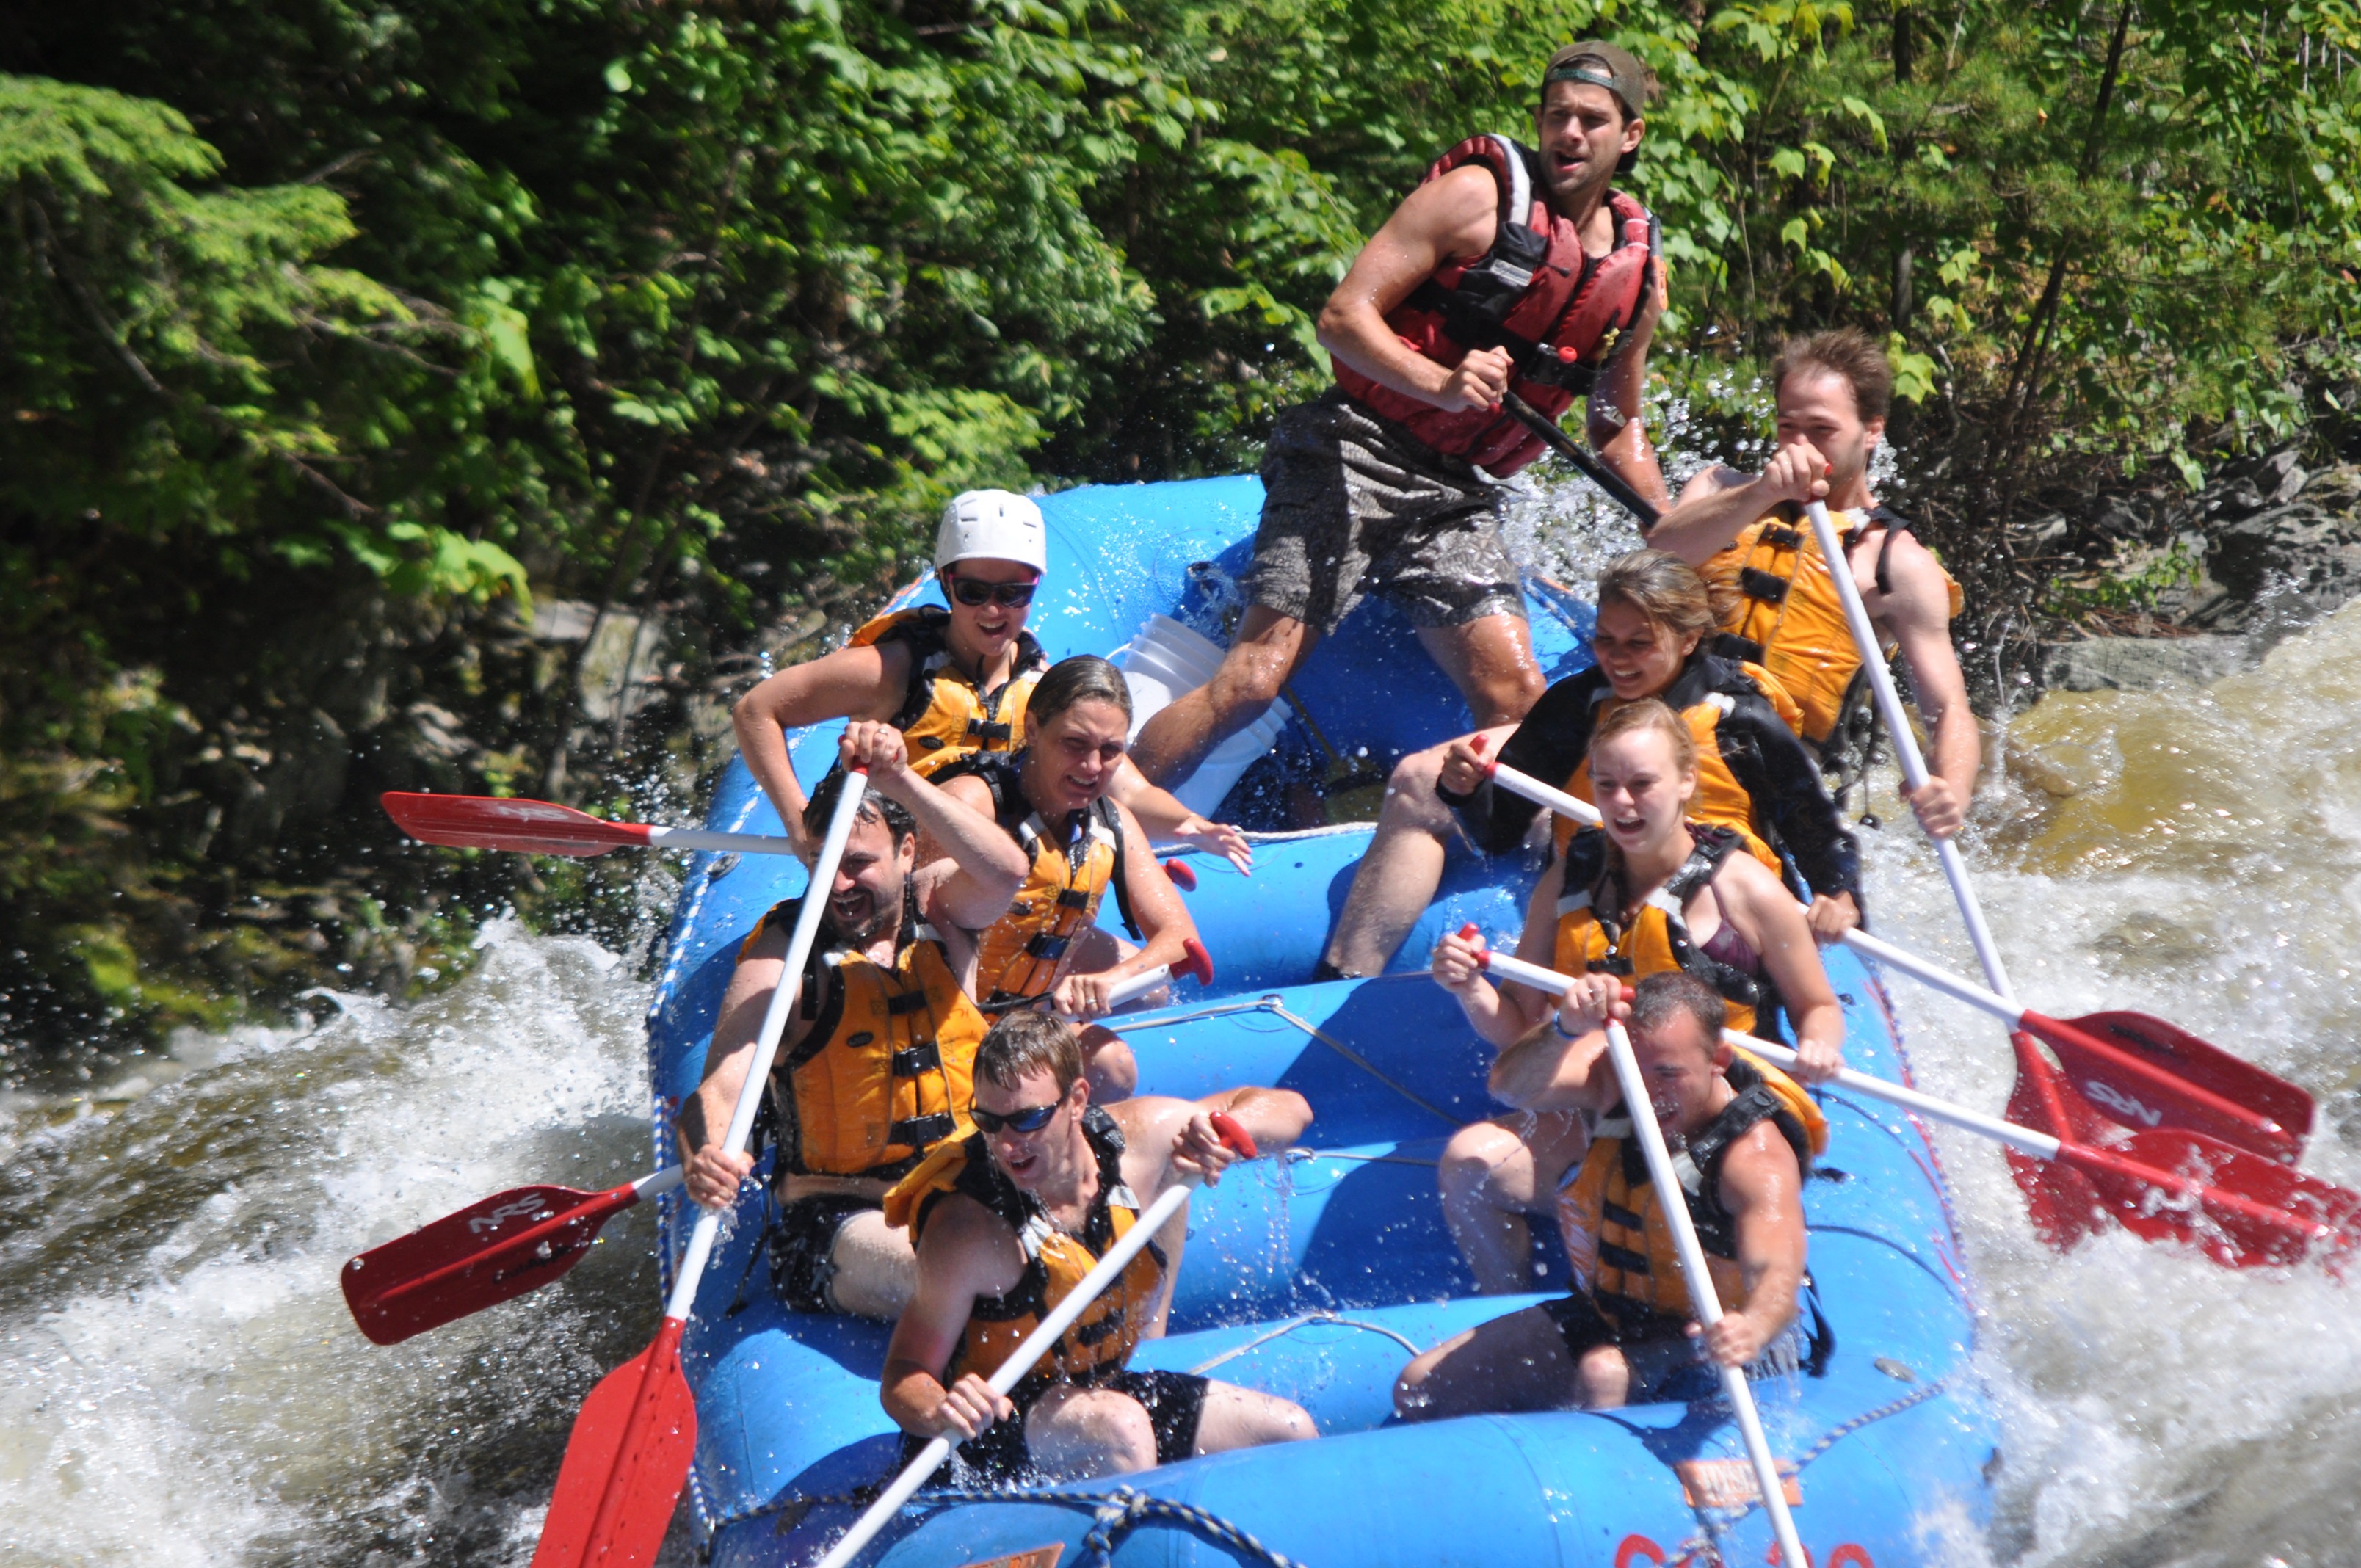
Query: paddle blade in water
527,827
2144,1073
625,1464
2065,1207
2239,1209
509,1244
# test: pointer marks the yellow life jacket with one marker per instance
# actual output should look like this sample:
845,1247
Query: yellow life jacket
1102,1339
1619,1246
1720,798
1789,613
886,1070
1068,872
1592,936
944,715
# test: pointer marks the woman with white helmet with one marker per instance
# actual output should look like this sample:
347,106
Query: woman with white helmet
953,681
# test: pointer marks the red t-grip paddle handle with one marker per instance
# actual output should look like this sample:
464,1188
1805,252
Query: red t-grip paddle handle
1241,1142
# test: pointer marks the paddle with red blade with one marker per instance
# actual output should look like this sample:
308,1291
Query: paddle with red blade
2149,1072
543,828
2162,1184
633,1442
487,1253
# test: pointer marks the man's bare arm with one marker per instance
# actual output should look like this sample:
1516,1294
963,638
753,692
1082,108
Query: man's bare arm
1453,218
713,1181
1546,1071
1916,613
960,1257
989,866
1761,1187
1720,502
1616,432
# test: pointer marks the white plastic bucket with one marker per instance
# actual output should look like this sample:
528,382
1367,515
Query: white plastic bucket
1167,659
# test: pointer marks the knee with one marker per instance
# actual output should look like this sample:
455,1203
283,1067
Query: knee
1464,1171
1248,681
1288,1423
1411,800
1602,1378
1119,1429
1412,1399
1113,1071
1505,694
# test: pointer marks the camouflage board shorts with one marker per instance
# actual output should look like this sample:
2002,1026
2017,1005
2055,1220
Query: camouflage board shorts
1354,504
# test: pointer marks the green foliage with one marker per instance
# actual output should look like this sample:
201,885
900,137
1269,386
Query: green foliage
333,336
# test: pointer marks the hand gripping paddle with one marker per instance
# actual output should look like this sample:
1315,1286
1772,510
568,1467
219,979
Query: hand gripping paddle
1037,1344
636,1434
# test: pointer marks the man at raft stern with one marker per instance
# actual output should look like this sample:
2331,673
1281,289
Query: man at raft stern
1833,390
875,1067
1626,1332
1011,1218
1384,484
955,681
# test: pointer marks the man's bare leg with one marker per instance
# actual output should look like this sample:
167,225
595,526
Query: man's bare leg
1490,660
1269,650
1244,1418
875,1267
1397,879
1515,1363
1495,1175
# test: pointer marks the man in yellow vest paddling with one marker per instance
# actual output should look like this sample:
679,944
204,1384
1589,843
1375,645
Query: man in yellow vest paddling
874,1068
1011,1218
1745,535
1626,1333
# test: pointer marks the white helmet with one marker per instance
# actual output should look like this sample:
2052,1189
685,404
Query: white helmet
997,525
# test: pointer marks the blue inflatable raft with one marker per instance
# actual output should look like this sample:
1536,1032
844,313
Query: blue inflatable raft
1314,1273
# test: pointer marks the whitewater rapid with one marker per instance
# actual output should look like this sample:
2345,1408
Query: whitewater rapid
180,1384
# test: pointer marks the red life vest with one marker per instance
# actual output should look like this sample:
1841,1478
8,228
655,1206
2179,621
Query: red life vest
1535,293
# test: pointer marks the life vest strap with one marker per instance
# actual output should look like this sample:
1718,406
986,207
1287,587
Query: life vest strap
1780,537
1758,584
907,1003
1622,1257
920,1131
1073,898
1043,945
988,731
924,1057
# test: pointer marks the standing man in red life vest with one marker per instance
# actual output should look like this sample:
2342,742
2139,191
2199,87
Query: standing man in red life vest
1833,390
1507,270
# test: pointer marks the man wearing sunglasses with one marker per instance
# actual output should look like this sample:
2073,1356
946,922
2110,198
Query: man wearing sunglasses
874,1068
1009,1219
954,680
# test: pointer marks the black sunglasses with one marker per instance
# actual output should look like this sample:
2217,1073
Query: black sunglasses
1032,1119
971,593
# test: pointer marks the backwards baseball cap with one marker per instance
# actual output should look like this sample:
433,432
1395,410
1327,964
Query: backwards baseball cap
1604,65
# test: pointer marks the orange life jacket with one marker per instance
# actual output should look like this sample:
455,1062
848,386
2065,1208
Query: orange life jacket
1790,618
1594,937
1535,293
1612,1216
886,1070
945,715
1103,1338
1019,956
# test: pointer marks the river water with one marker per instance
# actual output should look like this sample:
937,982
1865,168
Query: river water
180,1383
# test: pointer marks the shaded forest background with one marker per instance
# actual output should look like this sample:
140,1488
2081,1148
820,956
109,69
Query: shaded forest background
376,379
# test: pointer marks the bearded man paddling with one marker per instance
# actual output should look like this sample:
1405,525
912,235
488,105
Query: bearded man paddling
1508,269
873,1069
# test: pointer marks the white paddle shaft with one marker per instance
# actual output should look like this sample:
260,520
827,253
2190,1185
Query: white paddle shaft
784,997
1916,968
1905,745
1012,1370
2024,1139
720,844
1672,1202
1131,988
